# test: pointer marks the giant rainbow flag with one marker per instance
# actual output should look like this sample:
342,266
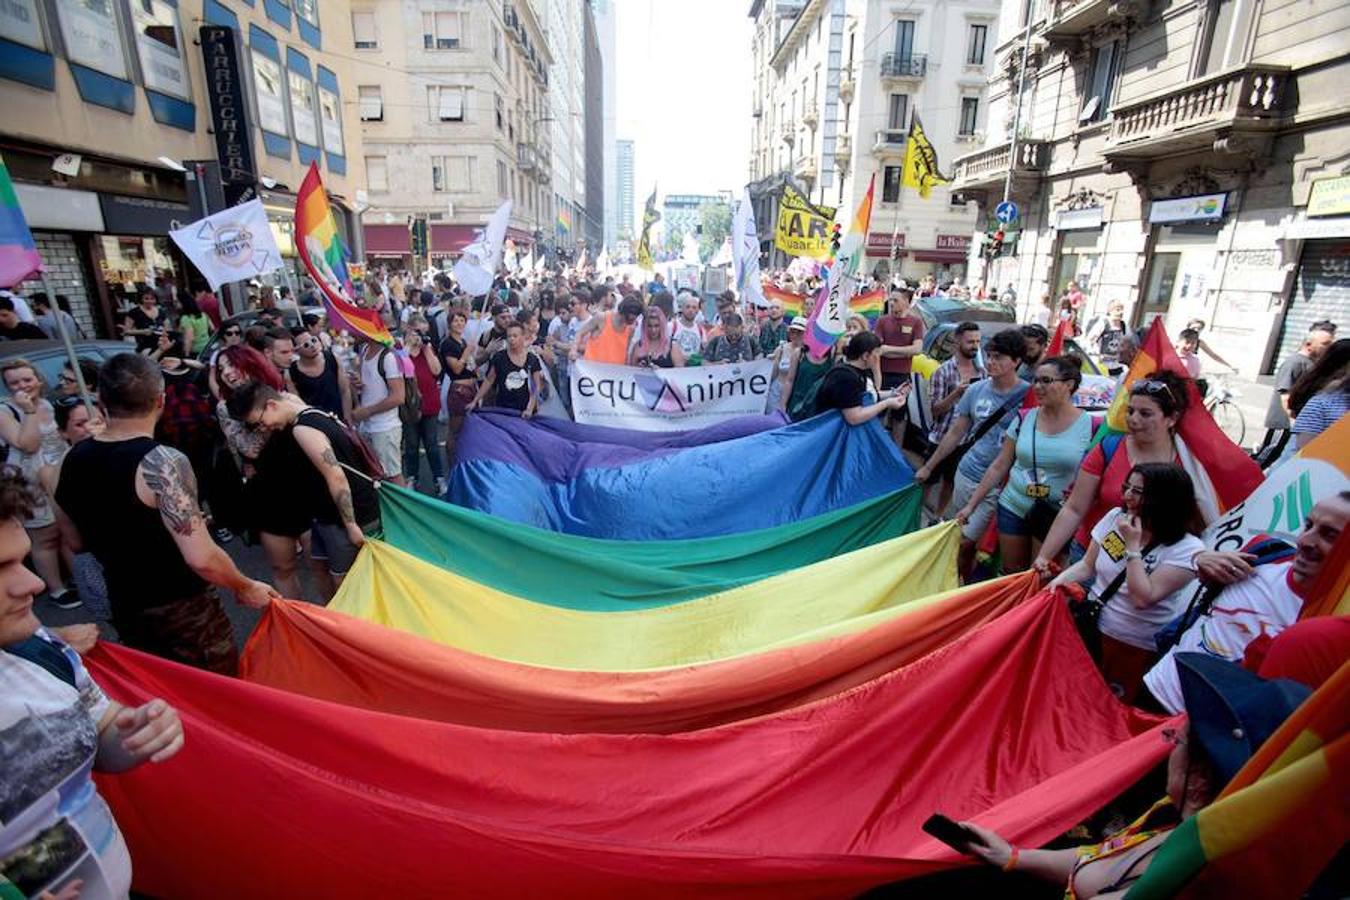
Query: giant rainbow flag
18,254
826,799
325,258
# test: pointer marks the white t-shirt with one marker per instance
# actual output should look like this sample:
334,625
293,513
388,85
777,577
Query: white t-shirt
1263,604
374,388
50,737
1120,618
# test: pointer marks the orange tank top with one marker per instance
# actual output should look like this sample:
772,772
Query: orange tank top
610,345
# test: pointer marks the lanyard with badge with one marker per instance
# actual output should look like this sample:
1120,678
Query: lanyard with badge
1036,489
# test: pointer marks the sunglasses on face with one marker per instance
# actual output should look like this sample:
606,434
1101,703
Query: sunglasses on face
1041,379
65,379
232,332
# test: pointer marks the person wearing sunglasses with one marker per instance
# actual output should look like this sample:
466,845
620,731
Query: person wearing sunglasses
319,379
1042,449
1156,404
1141,560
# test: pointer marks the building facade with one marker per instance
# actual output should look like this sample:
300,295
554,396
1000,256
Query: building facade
1188,159
836,86
567,98
455,118
593,226
684,212
623,189
105,104
606,27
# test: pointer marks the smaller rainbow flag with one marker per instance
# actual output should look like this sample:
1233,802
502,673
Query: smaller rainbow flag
325,258
793,303
869,304
18,254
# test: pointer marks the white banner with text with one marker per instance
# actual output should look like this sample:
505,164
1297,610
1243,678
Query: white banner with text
644,399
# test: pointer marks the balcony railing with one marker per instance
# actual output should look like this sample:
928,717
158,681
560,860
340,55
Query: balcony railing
525,157
889,141
895,65
805,167
810,114
1200,113
788,132
989,167
1073,18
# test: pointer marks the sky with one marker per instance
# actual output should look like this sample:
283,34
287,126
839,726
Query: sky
684,93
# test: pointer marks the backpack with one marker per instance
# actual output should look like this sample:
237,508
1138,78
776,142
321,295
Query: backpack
410,412
368,462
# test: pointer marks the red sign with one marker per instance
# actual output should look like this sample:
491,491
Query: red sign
953,242
879,243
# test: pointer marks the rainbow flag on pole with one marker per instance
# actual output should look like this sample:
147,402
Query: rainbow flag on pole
325,257
793,303
869,304
18,254
829,318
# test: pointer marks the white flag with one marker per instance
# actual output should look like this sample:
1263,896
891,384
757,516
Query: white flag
234,244
745,253
602,261
475,269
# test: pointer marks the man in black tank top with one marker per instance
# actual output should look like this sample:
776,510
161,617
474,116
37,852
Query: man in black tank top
318,378
133,503
341,502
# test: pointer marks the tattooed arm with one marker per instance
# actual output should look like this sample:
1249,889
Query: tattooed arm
164,481
320,452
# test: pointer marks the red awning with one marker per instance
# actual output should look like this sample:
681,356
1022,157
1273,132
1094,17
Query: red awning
451,238
883,253
385,239
940,256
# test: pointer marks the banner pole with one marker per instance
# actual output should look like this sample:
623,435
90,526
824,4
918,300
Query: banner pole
69,344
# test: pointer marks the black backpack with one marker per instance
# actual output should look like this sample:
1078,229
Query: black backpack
410,412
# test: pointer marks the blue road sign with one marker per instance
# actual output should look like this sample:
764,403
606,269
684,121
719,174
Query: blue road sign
1006,212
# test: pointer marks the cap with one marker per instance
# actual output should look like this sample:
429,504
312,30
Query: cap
797,322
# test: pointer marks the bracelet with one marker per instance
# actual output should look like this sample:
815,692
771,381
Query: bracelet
1012,860
1133,554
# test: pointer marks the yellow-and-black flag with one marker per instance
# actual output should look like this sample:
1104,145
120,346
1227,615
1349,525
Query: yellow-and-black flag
921,163
649,218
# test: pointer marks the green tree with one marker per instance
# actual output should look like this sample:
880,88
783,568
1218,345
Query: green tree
716,219
673,242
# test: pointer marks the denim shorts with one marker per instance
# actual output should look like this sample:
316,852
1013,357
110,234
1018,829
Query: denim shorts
1011,524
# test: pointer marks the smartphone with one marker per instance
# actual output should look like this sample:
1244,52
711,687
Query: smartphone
953,835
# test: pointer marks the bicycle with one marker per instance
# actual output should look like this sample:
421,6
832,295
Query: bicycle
1222,405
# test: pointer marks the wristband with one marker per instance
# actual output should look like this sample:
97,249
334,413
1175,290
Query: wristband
1012,860
1133,554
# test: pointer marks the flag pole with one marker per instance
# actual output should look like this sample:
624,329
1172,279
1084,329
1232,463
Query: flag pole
70,344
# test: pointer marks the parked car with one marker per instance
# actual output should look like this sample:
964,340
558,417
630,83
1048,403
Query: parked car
941,315
49,357
290,318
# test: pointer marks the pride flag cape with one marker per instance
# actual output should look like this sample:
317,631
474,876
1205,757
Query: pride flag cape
616,575
19,257
390,587
310,650
1223,473
325,258
629,485
1280,821
1010,726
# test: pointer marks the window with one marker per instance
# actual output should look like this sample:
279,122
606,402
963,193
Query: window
363,30
160,48
308,10
302,110
330,114
1228,24
890,184
440,31
904,39
377,173
439,180
445,104
1162,281
371,102
975,52
501,112
897,119
21,24
496,44
268,81
92,35
970,115
1101,82
502,188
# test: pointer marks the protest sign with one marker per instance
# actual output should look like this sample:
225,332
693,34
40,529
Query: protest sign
668,399
803,229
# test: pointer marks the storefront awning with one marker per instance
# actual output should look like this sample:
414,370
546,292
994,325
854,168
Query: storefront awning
940,256
451,238
385,239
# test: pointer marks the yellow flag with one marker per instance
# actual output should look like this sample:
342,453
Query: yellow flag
803,229
649,218
920,170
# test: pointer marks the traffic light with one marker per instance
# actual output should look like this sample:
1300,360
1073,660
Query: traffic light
418,228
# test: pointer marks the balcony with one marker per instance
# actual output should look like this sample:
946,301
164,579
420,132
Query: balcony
810,114
1234,111
894,65
843,147
987,169
788,132
889,142
526,159
847,88
805,168
1072,20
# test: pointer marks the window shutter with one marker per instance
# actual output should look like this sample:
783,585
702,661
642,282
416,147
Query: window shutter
452,105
